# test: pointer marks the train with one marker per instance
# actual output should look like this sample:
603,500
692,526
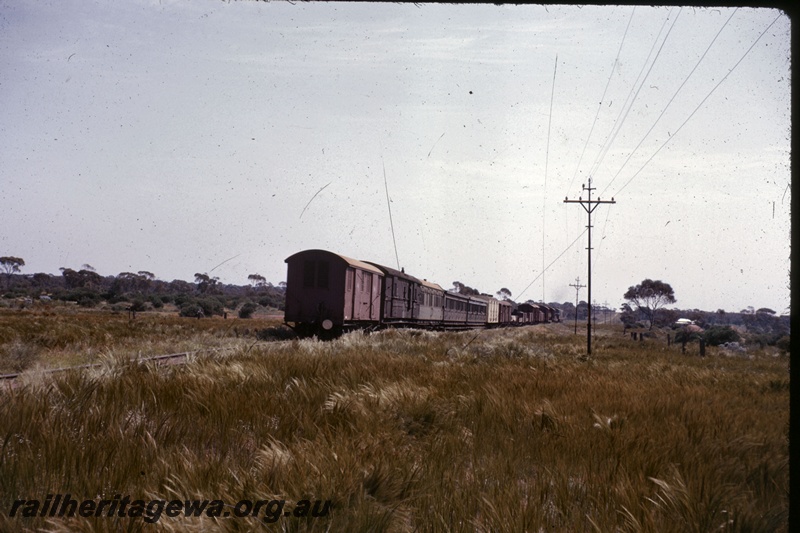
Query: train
328,294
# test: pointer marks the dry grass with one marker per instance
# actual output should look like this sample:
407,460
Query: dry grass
75,336
506,430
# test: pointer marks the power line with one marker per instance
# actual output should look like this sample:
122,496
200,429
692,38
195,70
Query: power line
724,25
602,99
700,104
628,105
570,245
670,100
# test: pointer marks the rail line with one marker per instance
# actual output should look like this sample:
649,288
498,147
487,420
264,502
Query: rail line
172,358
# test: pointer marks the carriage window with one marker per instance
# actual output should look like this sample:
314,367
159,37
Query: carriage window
349,280
309,273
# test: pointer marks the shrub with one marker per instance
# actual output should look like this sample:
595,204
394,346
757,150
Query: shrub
279,333
117,298
18,356
247,310
720,335
182,299
211,305
138,305
208,305
685,335
190,309
783,343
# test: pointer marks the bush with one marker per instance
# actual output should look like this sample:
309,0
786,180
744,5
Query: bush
247,310
278,333
685,335
206,306
138,305
18,355
191,309
183,299
83,296
117,298
783,343
720,335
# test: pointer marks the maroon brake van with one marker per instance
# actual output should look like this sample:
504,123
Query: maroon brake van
331,292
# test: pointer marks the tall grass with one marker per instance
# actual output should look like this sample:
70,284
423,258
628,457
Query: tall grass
75,337
507,430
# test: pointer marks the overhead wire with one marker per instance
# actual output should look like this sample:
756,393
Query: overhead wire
675,94
570,245
602,99
669,138
631,98
699,105
671,100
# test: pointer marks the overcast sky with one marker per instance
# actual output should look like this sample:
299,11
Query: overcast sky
180,137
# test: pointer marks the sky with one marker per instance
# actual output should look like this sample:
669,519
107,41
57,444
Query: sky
217,137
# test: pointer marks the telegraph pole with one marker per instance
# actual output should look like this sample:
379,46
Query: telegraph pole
578,287
589,206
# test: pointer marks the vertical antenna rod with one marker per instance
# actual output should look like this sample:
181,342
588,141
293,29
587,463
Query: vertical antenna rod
589,206
389,203
546,160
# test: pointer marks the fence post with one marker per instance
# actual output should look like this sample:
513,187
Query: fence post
702,348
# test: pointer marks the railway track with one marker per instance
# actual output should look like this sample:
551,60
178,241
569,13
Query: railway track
173,358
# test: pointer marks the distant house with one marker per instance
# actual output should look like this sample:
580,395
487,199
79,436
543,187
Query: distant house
684,322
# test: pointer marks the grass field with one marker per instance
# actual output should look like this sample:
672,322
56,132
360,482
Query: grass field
502,430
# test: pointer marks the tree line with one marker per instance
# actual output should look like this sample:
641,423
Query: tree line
142,290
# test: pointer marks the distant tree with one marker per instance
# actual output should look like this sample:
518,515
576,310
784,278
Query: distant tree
582,309
460,288
81,278
146,280
765,311
41,279
649,296
628,316
205,283
665,317
504,293
257,280
11,265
